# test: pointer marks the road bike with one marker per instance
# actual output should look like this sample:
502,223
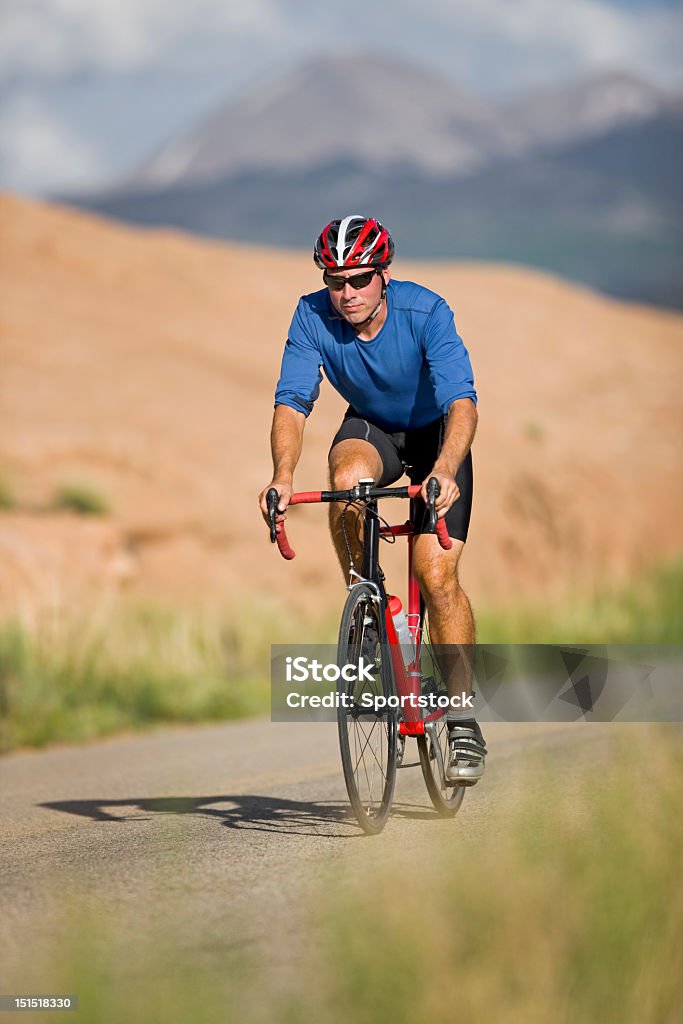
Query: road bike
407,695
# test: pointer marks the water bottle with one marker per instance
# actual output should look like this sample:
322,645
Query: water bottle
402,631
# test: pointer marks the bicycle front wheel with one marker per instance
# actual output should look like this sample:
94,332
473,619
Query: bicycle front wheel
367,729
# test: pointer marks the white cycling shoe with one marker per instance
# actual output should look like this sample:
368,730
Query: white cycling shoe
467,760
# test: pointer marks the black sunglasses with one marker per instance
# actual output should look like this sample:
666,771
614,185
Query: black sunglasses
336,283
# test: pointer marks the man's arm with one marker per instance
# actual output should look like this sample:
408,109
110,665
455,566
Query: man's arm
460,429
286,438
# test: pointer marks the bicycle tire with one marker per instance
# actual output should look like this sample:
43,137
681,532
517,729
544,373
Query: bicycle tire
433,747
367,739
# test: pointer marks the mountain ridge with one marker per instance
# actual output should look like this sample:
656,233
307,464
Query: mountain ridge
385,108
607,211
387,111
583,179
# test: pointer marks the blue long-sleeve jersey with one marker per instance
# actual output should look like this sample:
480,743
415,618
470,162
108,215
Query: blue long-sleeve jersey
405,377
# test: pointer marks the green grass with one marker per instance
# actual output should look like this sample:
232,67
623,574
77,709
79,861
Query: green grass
82,498
568,911
648,611
74,678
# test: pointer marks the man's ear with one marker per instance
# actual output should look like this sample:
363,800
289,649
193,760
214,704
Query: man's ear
386,274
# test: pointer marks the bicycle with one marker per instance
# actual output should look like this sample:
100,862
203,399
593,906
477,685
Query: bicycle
372,734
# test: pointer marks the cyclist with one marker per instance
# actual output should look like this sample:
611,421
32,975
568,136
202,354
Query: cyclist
391,349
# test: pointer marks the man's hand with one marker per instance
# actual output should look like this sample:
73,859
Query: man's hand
285,489
449,492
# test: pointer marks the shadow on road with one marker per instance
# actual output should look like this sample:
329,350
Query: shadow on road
245,811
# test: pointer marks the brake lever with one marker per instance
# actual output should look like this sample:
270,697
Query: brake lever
272,500
433,490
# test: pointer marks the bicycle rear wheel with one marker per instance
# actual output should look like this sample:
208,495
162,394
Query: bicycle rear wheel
367,735
433,747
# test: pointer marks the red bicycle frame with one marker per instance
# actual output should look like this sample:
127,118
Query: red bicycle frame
408,679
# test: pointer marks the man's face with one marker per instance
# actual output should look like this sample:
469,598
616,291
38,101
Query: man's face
356,304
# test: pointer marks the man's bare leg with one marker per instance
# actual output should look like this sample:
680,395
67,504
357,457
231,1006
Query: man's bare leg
451,623
451,627
350,461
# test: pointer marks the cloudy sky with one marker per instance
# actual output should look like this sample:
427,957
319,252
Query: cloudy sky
88,88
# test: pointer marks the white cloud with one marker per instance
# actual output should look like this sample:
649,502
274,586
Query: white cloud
593,32
526,38
532,41
54,37
36,150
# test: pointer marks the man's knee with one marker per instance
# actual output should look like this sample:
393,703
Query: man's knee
438,578
351,462
348,474
435,579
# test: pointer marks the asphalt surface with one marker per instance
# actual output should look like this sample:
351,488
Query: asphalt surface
216,831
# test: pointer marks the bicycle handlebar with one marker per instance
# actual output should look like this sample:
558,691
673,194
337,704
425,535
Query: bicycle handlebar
361,491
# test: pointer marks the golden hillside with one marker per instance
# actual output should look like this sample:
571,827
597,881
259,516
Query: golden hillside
143,364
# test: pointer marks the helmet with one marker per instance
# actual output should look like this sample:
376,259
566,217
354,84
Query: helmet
354,242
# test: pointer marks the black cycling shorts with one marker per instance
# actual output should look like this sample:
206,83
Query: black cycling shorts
413,452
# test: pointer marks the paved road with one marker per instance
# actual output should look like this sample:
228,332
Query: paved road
214,830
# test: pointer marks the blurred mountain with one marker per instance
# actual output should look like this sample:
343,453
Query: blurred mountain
583,180
579,110
380,110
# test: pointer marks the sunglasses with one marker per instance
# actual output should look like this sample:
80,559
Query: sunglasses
336,283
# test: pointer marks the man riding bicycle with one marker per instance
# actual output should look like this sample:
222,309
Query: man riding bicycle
390,348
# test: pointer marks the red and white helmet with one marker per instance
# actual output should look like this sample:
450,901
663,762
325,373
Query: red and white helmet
354,242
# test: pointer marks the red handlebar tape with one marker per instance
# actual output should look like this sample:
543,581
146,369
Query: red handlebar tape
442,533
300,498
305,497
283,544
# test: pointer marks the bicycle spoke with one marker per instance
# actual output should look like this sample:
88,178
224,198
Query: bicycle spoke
379,765
368,801
367,736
